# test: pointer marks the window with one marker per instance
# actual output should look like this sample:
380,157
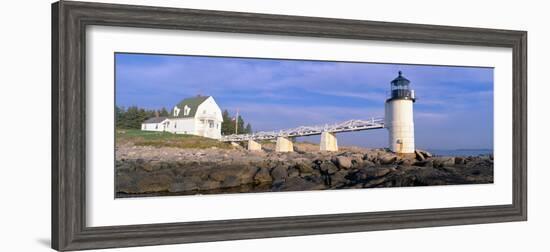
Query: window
211,124
176,111
186,110
175,125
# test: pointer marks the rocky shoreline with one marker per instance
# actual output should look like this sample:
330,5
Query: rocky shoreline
151,171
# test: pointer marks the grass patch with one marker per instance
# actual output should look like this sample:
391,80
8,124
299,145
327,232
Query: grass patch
166,139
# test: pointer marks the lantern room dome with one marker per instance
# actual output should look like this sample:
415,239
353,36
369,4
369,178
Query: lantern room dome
400,80
400,89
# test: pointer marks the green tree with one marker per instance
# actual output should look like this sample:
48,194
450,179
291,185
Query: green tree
228,124
240,124
164,112
132,118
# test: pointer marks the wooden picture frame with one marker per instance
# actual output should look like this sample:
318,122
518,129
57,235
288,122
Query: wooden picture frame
69,20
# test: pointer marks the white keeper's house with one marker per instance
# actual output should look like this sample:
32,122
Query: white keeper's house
199,115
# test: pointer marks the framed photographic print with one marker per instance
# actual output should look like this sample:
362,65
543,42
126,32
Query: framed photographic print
178,125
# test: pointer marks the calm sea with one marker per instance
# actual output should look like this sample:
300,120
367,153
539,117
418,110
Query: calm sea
462,152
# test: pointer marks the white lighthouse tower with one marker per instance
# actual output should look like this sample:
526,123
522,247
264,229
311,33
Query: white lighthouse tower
399,116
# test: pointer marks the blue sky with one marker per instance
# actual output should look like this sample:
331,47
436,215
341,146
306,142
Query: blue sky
454,107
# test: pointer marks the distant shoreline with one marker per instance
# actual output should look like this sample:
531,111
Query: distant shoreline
461,152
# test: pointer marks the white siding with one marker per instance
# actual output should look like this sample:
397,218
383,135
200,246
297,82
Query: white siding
209,119
182,126
207,122
154,126
400,124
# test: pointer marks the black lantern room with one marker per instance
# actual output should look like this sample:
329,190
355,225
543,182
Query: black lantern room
400,89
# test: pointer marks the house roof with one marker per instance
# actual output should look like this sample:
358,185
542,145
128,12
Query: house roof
191,102
155,120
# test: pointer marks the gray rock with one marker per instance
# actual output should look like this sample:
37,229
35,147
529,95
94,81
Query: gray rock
378,172
154,183
262,176
328,167
343,162
426,154
387,158
339,179
125,183
189,187
209,185
297,184
359,175
246,176
177,187
293,172
304,168
231,181
279,172
419,155
406,162
220,174
426,163
443,161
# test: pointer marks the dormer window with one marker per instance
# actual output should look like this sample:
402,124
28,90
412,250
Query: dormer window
186,110
176,111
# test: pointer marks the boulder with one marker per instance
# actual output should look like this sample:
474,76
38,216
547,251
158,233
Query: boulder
367,163
189,187
426,154
293,172
460,160
154,183
359,175
304,168
177,187
339,178
279,172
246,176
419,155
443,161
125,183
426,163
406,162
220,173
378,172
209,185
231,181
328,167
387,158
297,184
262,176
342,162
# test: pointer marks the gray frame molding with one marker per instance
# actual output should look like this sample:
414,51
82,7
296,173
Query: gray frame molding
69,20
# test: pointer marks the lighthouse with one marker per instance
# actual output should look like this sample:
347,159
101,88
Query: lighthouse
399,116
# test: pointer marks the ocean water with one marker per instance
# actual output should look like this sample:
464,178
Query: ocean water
461,152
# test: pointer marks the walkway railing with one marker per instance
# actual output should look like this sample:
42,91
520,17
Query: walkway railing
347,126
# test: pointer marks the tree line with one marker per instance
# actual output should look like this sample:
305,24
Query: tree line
133,116
228,125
